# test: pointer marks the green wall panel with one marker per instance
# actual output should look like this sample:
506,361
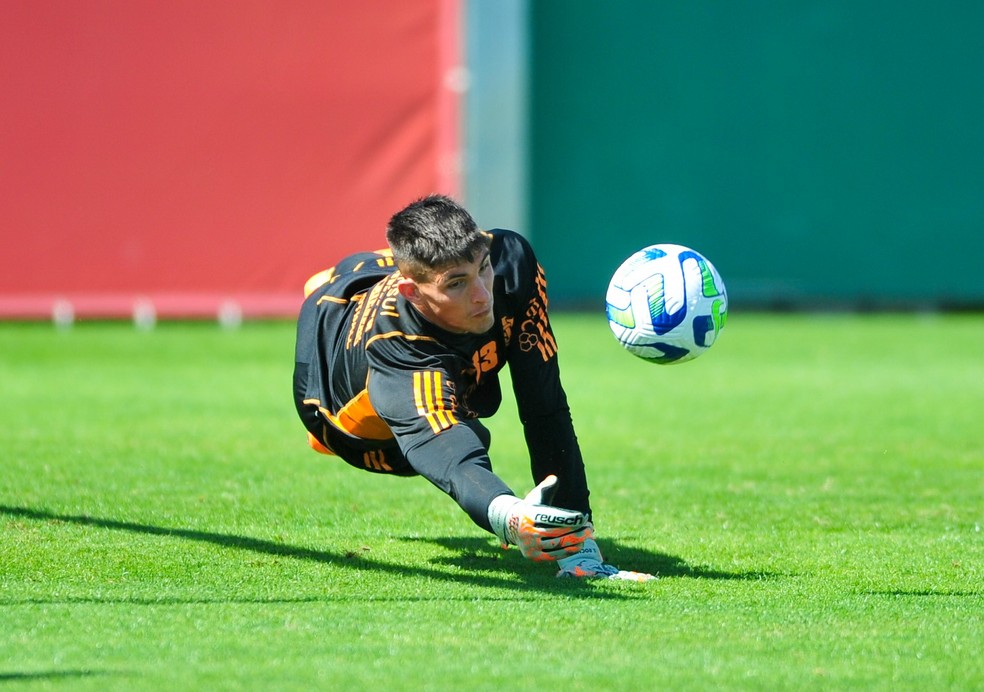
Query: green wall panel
819,153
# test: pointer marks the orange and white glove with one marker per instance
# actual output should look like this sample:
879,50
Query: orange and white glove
540,531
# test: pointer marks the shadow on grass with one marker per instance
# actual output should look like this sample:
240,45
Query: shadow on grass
477,571
664,565
50,675
926,593
474,554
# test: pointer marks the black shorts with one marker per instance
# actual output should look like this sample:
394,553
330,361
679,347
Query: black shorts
325,438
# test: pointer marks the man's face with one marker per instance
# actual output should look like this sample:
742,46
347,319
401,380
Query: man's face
457,298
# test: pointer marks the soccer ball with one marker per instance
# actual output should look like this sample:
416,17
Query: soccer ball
666,304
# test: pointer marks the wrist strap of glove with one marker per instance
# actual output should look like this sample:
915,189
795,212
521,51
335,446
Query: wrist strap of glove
500,510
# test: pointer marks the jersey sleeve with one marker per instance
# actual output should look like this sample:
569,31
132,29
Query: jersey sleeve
414,393
532,355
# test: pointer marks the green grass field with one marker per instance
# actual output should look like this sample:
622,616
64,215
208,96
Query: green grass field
811,493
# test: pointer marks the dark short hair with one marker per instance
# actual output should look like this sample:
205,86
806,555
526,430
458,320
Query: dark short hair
432,233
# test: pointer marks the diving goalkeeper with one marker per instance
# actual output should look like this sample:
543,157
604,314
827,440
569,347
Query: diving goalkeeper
397,360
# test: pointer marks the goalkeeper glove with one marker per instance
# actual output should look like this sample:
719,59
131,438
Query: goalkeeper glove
541,532
589,563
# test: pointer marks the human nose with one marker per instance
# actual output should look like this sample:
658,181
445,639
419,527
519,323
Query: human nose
481,293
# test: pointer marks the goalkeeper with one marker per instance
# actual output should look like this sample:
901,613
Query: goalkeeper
397,358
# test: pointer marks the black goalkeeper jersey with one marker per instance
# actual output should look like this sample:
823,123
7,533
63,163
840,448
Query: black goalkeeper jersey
390,392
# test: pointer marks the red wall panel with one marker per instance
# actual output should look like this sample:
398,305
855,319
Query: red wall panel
190,153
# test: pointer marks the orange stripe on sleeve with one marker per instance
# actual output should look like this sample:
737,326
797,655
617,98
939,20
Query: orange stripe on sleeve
418,398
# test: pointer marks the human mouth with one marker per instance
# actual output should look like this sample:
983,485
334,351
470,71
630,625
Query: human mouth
483,319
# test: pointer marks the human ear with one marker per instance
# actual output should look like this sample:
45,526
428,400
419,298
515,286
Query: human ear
409,290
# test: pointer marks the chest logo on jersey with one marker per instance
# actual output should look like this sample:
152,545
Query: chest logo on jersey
534,331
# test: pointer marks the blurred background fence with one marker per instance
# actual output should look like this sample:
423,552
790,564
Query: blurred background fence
194,157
